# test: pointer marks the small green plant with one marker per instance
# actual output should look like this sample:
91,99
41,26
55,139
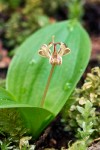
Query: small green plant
85,121
5,145
75,9
28,73
83,116
79,145
11,123
21,24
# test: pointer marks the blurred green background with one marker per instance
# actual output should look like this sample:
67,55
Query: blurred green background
20,18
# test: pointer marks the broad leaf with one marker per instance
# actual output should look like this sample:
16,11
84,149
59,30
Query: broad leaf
28,72
36,119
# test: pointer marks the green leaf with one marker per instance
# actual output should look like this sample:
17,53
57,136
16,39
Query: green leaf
80,109
36,119
6,95
28,72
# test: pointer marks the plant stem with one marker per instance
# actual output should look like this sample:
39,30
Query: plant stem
47,86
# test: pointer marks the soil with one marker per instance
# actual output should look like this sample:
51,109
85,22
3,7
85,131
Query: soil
55,136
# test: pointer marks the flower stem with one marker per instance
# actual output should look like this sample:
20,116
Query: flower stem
47,86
